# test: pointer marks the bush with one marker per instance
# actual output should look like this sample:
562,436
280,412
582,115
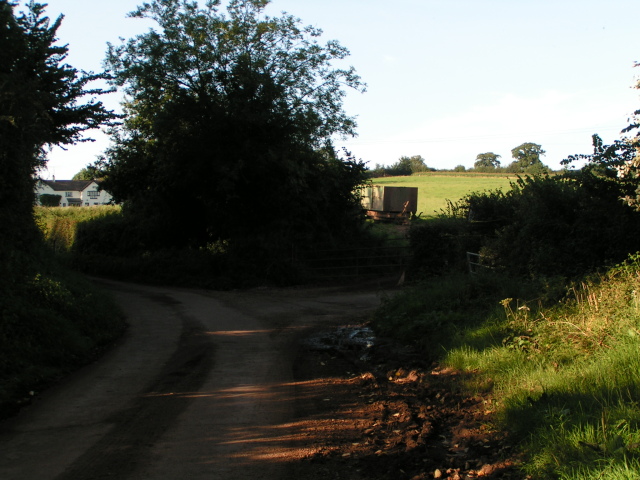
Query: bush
439,246
59,226
116,235
49,200
52,323
557,226
543,227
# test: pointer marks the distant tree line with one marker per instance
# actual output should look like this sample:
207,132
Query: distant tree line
526,161
404,166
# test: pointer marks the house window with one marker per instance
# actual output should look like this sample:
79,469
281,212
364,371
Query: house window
68,194
93,194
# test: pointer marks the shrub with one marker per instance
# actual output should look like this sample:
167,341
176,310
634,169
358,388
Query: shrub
52,323
49,200
544,226
59,226
557,226
440,246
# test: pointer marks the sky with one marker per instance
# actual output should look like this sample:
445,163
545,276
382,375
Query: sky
446,79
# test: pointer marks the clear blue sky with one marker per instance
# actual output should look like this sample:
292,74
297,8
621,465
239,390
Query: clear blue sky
447,79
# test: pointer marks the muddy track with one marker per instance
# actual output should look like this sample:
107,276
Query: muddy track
393,416
201,386
236,385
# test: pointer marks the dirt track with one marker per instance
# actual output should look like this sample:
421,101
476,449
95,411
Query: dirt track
227,386
201,386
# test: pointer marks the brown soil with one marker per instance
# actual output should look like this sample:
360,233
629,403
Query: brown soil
388,415
213,385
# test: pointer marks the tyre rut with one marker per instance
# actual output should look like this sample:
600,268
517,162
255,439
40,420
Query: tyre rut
136,429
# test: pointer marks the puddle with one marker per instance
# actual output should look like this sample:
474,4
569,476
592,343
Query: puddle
348,337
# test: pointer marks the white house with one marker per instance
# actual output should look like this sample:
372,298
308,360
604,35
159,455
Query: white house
73,193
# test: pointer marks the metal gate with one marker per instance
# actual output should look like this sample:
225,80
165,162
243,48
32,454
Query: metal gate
391,258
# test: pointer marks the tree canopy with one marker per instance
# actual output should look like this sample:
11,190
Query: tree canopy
87,173
487,161
407,165
631,170
229,127
617,165
527,158
404,166
43,102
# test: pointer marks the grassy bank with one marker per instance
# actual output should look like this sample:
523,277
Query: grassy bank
53,322
59,225
565,375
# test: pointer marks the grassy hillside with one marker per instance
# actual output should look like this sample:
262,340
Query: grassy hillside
434,189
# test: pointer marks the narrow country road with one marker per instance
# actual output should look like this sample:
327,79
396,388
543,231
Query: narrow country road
201,386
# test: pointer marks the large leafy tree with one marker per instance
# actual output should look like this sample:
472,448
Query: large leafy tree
43,102
229,125
487,161
87,173
416,163
404,166
527,158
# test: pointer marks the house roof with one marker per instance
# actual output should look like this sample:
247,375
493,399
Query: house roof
68,185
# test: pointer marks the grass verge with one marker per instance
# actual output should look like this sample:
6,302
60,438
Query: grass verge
53,322
565,375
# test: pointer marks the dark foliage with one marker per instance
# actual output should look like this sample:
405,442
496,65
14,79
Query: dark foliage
544,226
49,200
40,104
50,322
228,139
404,166
562,226
439,246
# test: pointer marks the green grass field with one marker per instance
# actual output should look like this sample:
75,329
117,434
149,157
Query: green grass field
434,189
